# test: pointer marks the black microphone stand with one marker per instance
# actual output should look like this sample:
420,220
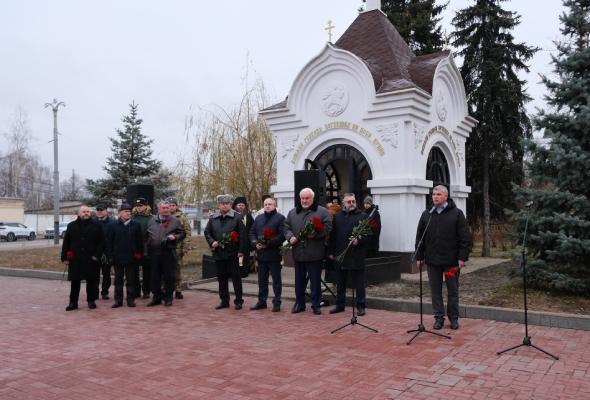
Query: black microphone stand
353,319
527,339
421,327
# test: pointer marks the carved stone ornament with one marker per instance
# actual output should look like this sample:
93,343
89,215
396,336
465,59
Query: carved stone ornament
418,134
288,143
389,133
334,100
441,107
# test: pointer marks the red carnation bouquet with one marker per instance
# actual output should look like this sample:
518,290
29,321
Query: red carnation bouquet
365,227
228,238
313,225
267,235
69,255
451,273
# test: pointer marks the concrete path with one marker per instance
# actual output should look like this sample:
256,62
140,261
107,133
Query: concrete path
474,264
191,351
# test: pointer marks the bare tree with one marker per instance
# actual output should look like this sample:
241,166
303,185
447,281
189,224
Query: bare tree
73,188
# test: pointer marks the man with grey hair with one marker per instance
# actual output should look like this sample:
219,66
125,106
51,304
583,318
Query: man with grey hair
309,248
226,235
81,250
444,250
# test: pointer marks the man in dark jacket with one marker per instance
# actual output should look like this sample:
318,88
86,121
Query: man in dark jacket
124,250
226,234
309,251
102,217
81,250
267,236
142,213
240,205
164,232
444,249
372,242
353,262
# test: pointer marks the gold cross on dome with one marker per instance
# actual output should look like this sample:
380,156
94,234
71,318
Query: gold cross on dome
329,29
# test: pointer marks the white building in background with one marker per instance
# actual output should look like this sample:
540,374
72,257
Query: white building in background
377,120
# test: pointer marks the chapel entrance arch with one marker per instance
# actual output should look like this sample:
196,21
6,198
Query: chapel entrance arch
437,171
346,169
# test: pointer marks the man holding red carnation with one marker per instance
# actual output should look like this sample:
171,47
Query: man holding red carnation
226,234
444,250
306,228
267,236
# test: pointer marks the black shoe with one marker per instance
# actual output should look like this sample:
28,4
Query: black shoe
438,323
105,296
337,309
117,305
360,311
130,304
276,307
238,306
297,309
258,306
221,305
91,305
168,303
154,303
71,307
317,311
146,296
178,296
454,323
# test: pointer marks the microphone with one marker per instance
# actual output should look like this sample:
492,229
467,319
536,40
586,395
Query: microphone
434,208
528,204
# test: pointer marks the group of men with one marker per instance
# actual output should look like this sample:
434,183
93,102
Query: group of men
135,240
314,237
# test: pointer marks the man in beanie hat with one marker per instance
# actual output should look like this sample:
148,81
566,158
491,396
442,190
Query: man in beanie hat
226,234
124,249
183,246
142,213
372,242
240,205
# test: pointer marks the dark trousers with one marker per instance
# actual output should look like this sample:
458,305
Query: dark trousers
313,269
105,270
163,265
145,284
435,278
225,270
358,280
274,268
125,274
91,291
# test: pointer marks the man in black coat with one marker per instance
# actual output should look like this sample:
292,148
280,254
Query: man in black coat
372,242
102,217
353,262
240,205
226,234
444,250
124,250
81,249
267,236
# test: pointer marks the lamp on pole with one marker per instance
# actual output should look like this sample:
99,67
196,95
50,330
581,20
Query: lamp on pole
55,106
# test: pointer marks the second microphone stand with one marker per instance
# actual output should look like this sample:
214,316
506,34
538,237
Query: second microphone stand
421,328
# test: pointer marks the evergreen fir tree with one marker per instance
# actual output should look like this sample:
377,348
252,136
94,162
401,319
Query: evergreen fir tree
417,22
496,98
560,169
131,161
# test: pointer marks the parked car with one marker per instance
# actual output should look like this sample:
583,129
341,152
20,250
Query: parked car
11,231
62,230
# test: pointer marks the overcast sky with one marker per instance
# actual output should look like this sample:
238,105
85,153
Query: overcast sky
168,56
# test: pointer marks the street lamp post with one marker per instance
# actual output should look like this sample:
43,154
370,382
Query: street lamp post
55,106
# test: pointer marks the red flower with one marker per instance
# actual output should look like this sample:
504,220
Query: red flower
235,236
451,273
318,225
69,254
137,256
267,233
373,224
166,224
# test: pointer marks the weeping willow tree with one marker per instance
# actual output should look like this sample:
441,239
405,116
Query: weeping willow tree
229,150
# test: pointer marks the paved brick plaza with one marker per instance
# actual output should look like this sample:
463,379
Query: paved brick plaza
191,351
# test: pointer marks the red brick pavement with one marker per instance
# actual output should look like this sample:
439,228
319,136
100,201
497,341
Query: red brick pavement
191,351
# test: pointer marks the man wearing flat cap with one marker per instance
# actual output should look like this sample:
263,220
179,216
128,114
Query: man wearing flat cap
183,246
103,219
142,213
124,249
226,234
